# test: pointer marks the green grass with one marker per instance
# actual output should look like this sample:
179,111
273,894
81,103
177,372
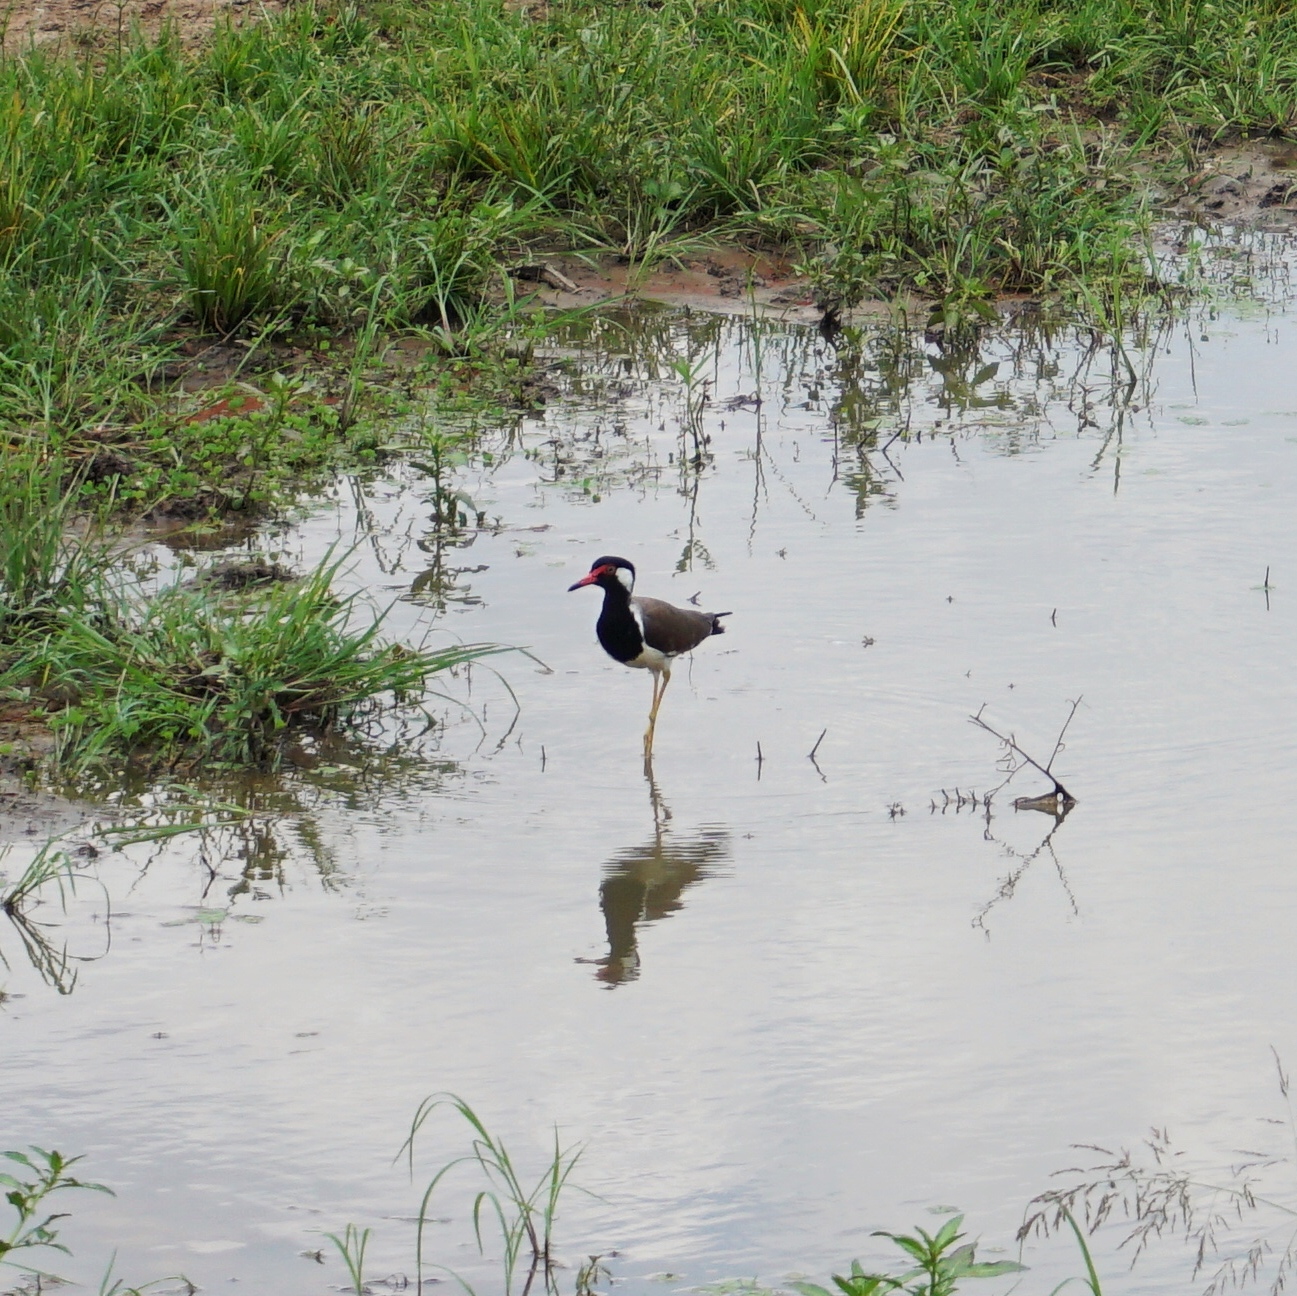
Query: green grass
194,672
193,675
47,567
381,165
525,1217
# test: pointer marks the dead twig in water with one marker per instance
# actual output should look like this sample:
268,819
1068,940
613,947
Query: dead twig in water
1267,587
810,756
1060,801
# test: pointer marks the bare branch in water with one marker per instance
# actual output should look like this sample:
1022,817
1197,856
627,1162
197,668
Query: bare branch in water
1060,801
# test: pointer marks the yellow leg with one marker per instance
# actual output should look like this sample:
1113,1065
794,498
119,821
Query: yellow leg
660,683
653,710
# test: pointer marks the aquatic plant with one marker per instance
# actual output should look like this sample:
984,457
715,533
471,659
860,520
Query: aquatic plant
524,1216
38,1175
49,864
190,674
52,960
940,1264
351,1247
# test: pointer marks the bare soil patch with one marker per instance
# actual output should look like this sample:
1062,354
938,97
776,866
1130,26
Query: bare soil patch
726,279
96,24
731,280
1252,183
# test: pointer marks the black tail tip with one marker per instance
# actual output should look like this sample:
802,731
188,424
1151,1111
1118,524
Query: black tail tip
717,628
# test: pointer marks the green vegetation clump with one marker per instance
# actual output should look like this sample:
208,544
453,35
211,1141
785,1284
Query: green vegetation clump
223,672
369,168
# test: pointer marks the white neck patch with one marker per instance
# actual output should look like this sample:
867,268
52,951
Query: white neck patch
627,578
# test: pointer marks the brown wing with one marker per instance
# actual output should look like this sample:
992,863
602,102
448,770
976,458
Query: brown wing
672,629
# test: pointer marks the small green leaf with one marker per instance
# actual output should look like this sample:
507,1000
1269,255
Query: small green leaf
993,1268
948,1233
814,1289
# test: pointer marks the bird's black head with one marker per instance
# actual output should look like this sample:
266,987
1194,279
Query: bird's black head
606,572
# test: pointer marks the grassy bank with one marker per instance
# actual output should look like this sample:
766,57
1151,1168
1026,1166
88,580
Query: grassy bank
365,170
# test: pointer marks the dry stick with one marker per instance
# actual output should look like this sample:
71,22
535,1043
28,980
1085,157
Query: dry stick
1009,742
811,756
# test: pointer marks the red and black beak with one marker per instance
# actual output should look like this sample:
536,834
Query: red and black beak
590,578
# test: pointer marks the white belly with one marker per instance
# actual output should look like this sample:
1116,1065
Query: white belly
651,659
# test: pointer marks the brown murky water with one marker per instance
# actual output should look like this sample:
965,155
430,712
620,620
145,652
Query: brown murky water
781,1002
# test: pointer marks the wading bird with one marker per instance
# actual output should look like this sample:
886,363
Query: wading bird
644,632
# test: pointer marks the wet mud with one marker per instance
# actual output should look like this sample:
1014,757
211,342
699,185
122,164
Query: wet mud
722,279
1250,184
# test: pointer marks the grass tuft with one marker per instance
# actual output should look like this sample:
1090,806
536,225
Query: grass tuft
232,268
191,674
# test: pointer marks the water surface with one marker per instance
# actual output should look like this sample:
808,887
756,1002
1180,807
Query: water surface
781,1002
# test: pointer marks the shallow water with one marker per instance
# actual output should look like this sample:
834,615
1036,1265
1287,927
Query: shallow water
781,1002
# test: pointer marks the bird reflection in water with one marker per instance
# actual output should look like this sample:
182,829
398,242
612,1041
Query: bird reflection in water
645,883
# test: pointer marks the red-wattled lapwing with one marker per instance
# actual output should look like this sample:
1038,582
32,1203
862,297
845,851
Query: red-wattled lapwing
645,632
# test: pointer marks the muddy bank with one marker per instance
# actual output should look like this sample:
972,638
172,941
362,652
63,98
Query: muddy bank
1253,183
30,815
730,279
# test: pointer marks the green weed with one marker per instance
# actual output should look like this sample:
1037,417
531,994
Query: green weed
49,865
346,166
351,1246
524,1216
232,268
37,1176
194,671
939,1265
51,560
53,963
189,674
